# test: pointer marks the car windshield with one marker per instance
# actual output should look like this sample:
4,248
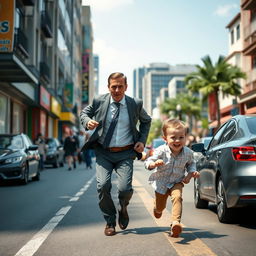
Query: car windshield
51,143
158,142
11,142
251,122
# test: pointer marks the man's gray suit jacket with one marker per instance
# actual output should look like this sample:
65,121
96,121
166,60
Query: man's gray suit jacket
98,112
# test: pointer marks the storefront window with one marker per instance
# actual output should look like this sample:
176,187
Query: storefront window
18,118
3,114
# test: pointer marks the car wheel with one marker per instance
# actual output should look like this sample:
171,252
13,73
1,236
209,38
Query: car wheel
24,180
199,203
37,177
224,213
56,163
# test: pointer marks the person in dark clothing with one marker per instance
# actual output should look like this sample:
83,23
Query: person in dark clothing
71,146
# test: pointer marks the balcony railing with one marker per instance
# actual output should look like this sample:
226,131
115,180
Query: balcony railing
46,24
29,2
21,42
44,71
250,29
248,4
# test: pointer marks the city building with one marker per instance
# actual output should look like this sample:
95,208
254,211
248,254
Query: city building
40,66
140,72
96,74
242,53
154,81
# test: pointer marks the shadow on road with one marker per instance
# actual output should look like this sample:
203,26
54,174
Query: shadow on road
244,217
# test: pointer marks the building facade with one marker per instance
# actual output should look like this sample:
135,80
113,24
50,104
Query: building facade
242,53
40,66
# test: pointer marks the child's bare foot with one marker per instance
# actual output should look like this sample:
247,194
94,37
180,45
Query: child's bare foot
176,229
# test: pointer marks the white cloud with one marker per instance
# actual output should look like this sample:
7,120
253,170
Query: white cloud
225,10
106,5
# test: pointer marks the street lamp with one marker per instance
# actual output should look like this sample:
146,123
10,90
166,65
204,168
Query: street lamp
178,109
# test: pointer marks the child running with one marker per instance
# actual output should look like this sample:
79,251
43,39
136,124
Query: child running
170,162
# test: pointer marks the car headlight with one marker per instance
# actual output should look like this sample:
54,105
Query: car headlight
13,160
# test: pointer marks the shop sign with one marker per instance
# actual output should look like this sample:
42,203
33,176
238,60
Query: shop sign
44,98
68,116
55,107
69,95
7,10
85,78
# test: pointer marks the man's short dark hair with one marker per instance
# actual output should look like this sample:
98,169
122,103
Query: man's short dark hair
117,75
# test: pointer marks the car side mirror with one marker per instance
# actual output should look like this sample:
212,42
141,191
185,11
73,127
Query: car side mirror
60,147
33,147
198,147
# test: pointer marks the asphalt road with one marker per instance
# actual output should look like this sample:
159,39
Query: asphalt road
59,216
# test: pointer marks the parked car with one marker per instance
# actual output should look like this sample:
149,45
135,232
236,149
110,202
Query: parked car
155,143
55,153
228,168
19,158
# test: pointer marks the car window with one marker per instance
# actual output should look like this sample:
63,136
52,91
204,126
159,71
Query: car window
217,136
51,143
13,142
251,122
27,141
229,132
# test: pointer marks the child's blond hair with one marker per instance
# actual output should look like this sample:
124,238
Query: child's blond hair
173,123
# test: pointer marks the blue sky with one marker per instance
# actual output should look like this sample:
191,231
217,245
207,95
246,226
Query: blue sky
132,33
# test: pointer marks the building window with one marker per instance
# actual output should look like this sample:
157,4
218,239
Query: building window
254,62
232,36
18,118
238,32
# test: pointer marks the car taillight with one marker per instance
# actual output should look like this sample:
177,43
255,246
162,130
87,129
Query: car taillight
244,153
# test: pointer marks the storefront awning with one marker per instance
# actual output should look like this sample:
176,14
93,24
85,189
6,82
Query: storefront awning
12,69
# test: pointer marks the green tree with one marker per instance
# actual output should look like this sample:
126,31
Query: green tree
211,78
155,130
190,106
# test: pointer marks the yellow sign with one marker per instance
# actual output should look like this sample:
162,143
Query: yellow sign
7,9
55,107
68,116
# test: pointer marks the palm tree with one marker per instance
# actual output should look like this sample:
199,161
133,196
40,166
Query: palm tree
190,106
215,78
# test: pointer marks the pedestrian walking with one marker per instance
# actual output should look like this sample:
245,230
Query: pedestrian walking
170,162
116,142
71,147
42,148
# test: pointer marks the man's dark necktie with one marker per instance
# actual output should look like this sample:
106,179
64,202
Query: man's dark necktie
112,126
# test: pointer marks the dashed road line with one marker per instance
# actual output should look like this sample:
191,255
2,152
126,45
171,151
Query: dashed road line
192,246
36,241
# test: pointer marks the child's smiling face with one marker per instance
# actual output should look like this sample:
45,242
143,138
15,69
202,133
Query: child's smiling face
175,138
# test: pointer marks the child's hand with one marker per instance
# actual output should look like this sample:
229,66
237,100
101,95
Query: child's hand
158,162
195,174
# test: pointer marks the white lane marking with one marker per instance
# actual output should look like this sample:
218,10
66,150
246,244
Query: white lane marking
36,241
32,246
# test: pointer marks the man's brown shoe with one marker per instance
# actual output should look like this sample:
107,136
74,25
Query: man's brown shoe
157,214
123,218
110,230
